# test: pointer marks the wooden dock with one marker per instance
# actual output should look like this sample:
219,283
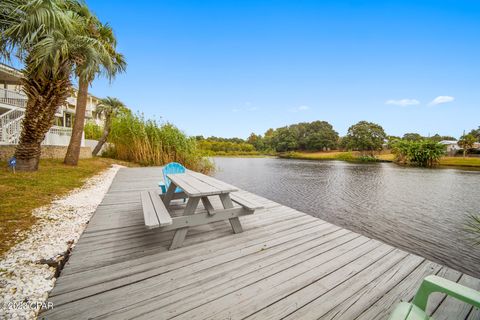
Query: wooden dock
285,265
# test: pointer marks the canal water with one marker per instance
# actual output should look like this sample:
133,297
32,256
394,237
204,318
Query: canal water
423,211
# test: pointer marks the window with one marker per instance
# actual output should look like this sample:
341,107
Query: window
59,121
68,120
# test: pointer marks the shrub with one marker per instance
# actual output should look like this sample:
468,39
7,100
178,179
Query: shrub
366,159
347,156
93,131
423,153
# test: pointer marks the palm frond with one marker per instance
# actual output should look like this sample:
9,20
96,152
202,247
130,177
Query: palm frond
473,228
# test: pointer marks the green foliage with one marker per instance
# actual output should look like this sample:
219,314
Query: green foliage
336,155
285,139
476,133
423,153
146,142
224,147
257,141
439,138
313,136
346,156
320,136
412,136
391,140
473,228
219,139
365,136
466,142
215,146
55,37
111,107
93,131
366,159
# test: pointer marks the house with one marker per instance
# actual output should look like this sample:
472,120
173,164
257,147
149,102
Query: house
451,146
12,110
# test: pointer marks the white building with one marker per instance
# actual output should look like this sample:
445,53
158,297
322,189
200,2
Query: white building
12,111
451,145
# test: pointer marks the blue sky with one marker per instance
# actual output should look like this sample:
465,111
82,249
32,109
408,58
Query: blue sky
228,68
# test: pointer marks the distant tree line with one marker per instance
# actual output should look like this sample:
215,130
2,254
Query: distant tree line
411,136
364,136
304,136
217,145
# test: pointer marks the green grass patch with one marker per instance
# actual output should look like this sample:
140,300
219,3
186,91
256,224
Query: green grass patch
460,162
352,156
355,156
24,191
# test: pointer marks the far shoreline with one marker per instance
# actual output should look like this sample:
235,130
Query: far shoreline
354,157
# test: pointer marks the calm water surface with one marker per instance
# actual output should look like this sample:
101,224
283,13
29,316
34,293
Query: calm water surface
420,210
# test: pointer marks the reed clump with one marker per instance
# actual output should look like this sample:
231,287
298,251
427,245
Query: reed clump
146,142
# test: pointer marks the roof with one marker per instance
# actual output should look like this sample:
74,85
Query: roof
448,142
9,74
10,70
13,75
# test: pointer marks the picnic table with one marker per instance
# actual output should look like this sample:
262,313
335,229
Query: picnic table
195,187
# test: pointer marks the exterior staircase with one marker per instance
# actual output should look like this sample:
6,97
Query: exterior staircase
11,121
11,126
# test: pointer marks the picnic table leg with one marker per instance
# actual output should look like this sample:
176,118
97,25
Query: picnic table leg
208,206
169,195
227,204
181,233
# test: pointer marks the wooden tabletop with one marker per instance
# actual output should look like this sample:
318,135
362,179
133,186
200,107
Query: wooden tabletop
195,184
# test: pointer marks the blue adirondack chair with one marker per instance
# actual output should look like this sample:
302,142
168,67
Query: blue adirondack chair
172,167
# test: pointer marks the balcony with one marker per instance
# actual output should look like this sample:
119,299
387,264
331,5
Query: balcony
13,98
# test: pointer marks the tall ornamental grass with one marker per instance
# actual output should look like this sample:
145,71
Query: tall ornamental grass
132,138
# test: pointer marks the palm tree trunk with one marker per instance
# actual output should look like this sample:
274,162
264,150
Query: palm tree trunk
45,94
103,139
73,150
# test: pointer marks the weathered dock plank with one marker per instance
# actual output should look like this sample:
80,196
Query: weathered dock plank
285,264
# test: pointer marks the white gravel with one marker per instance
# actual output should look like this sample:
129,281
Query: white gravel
24,282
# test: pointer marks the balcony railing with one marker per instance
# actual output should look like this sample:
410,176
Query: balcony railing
13,98
58,136
10,126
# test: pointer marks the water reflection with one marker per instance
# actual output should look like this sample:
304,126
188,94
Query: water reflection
420,210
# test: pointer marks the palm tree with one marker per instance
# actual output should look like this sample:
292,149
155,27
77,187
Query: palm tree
103,59
109,108
466,142
46,35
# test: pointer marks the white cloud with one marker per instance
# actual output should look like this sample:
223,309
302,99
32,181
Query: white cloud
236,110
403,102
441,99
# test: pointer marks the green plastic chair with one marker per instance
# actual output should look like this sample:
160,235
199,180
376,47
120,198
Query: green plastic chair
416,310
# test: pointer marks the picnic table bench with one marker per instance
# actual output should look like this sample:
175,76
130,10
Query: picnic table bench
195,187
